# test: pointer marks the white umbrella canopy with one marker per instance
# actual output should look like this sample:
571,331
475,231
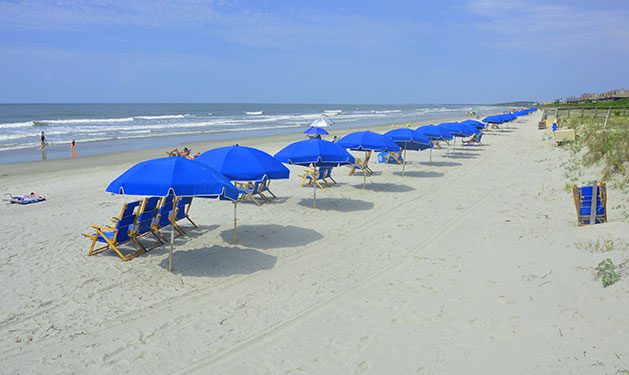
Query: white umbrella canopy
322,122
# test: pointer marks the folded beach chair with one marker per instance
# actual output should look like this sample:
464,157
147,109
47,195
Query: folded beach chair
390,158
162,219
144,223
583,203
325,173
114,236
250,190
312,176
362,165
183,207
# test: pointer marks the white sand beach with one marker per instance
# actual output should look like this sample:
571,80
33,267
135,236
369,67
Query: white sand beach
470,264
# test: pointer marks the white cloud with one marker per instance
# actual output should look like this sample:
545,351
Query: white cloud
549,26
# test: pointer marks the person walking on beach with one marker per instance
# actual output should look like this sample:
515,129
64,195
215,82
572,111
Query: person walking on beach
42,140
73,148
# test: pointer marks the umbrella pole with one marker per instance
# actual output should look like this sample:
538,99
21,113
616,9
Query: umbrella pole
314,191
404,160
172,234
235,239
431,155
364,180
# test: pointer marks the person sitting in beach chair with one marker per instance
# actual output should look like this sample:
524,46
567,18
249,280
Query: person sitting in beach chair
476,139
362,164
114,236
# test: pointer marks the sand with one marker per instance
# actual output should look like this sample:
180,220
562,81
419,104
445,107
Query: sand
472,263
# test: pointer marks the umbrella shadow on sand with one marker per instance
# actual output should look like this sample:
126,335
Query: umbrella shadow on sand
440,163
271,236
338,204
461,155
419,174
385,187
219,261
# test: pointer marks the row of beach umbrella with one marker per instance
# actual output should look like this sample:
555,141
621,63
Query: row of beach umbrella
211,174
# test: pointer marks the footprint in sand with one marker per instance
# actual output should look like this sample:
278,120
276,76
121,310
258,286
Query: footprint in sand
367,341
364,366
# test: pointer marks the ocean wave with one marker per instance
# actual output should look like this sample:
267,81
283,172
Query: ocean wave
164,117
88,121
16,125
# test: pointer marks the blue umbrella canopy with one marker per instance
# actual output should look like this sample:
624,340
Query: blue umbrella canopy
315,130
495,119
409,139
239,163
433,132
453,128
474,123
319,152
179,176
368,141
468,129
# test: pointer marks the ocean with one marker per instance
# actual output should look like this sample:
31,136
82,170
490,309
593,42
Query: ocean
21,124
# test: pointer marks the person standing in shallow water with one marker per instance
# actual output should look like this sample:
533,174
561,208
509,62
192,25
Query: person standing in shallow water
73,148
42,140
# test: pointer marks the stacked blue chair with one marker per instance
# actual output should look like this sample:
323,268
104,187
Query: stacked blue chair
582,197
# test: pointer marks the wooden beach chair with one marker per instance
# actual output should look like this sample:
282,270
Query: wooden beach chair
250,190
264,187
144,223
583,198
162,219
311,176
391,158
183,208
114,236
362,164
326,173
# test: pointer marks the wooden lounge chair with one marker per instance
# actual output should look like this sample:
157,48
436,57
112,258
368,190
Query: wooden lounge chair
114,236
144,223
583,203
264,186
312,176
183,207
391,158
249,190
326,173
162,219
362,165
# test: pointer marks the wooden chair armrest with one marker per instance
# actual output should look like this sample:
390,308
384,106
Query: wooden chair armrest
110,229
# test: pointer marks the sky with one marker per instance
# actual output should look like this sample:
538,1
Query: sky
363,52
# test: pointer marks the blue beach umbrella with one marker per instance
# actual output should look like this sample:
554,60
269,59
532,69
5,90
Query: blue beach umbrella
173,175
315,130
409,139
315,152
239,163
469,129
477,124
433,132
368,141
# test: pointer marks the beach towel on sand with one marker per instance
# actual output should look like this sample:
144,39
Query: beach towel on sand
26,199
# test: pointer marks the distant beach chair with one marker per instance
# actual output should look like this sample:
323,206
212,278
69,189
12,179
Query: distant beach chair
144,223
183,208
362,164
114,236
391,158
583,198
312,176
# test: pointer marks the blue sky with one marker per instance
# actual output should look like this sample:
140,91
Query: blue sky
477,51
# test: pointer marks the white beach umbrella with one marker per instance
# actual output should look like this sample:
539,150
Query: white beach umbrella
322,122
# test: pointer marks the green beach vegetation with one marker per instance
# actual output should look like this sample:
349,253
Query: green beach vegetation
606,141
